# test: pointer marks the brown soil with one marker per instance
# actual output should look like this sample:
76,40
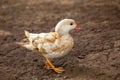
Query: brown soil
95,56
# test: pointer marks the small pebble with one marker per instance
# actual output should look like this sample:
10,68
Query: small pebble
65,77
81,57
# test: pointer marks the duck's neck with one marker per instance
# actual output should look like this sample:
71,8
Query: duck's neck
63,33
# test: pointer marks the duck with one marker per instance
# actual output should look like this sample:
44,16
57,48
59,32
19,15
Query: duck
53,44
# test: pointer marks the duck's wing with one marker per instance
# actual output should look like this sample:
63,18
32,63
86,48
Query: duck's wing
43,42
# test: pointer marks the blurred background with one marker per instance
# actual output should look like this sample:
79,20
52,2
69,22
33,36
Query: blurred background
95,56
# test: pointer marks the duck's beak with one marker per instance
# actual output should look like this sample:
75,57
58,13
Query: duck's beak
77,28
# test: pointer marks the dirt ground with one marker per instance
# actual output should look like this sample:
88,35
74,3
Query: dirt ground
96,53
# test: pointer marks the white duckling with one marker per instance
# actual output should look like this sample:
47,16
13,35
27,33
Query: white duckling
54,44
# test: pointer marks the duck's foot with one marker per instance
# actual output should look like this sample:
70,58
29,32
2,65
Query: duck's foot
49,65
58,70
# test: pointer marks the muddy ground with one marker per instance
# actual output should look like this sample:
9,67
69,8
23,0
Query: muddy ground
95,56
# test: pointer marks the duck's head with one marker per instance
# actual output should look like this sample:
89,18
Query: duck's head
64,26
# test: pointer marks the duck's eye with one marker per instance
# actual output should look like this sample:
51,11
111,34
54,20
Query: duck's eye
71,23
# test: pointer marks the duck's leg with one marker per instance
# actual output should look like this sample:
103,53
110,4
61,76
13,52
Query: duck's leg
58,70
47,66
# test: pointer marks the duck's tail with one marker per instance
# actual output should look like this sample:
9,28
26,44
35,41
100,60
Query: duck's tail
30,36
